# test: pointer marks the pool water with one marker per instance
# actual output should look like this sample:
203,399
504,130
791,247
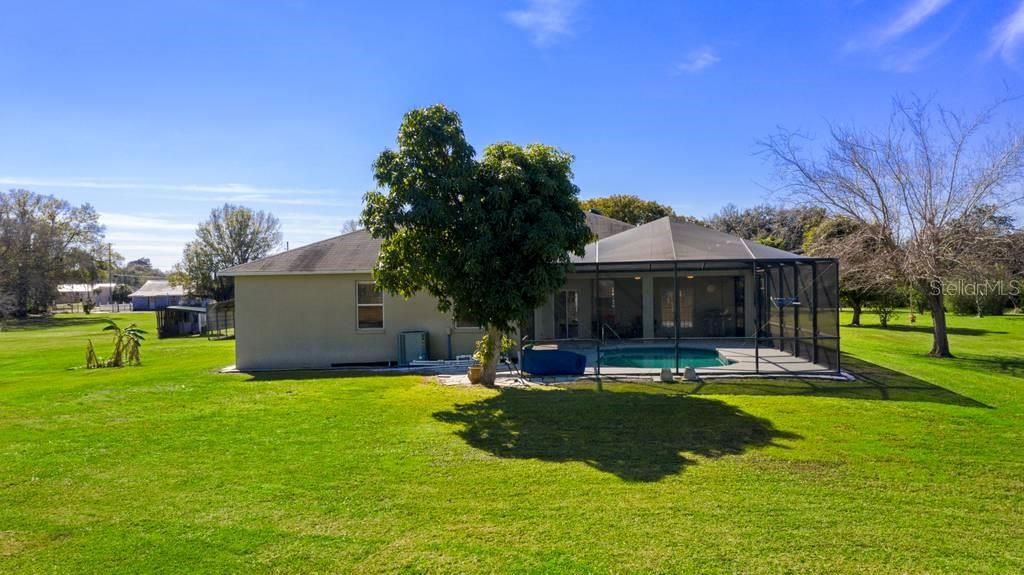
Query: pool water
661,357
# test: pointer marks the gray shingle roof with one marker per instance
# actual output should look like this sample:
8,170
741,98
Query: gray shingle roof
666,239
154,288
351,252
357,252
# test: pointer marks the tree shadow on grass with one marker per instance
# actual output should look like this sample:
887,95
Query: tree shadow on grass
873,382
928,329
1012,366
637,436
48,322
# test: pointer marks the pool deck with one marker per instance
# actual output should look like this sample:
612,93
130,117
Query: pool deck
772,361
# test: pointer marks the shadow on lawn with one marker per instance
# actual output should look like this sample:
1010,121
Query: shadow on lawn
926,329
638,436
47,322
873,382
1012,366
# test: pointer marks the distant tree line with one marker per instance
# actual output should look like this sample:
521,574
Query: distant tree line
46,241
776,226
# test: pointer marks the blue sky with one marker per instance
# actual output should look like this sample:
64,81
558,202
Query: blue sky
156,112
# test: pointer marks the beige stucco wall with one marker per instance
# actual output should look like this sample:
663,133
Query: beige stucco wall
309,321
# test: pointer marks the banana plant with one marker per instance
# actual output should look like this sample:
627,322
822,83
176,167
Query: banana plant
127,343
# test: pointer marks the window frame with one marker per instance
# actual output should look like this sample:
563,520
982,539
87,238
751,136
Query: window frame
359,305
457,327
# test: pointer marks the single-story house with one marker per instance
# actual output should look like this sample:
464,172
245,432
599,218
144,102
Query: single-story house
156,295
99,294
664,294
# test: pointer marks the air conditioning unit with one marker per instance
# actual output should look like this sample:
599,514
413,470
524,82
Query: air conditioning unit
412,346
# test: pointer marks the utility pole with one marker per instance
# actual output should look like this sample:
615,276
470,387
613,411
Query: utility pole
110,272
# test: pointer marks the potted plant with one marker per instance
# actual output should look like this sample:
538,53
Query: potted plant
475,372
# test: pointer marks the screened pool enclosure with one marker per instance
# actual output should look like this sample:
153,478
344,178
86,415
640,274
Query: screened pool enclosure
671,294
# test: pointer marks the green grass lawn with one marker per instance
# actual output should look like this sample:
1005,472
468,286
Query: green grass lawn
171,467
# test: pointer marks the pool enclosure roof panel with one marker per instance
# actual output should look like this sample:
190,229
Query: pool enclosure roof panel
673,239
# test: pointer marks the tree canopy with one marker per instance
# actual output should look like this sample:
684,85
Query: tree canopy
490,238
628,208
231,236
42,238
778,227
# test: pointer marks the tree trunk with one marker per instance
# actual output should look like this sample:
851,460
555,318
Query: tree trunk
489,367
940,342
856,312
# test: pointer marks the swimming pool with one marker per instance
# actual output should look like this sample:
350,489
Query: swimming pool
661,357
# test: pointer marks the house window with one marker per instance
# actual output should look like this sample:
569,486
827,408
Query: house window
463,323
369,306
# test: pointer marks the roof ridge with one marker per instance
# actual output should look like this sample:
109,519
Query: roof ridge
672,237
746,247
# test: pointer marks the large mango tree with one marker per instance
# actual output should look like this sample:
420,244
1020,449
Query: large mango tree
490,237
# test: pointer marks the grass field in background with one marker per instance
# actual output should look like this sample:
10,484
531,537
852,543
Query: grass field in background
172,467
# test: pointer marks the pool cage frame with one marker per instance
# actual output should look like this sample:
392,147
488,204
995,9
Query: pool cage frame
788,294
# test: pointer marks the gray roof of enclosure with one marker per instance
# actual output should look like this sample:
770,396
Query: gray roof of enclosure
672,239
605,227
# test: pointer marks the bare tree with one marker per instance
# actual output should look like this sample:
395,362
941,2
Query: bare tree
349,226
863,273
917,185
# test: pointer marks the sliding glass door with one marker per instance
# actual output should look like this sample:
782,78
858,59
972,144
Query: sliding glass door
567,314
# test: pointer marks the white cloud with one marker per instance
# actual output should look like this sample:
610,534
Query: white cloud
162,236
545,20
698,60
159,238
300,229
1007,35
205,193
133,222
914,14
104,184
908,60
